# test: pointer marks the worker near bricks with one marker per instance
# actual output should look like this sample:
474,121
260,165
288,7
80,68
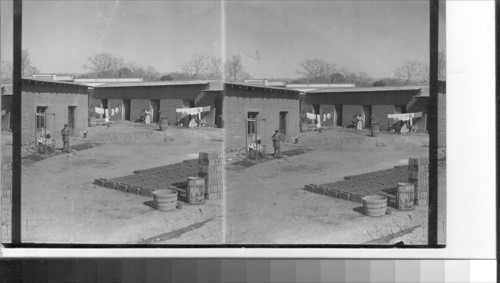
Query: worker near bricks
277,144
65,138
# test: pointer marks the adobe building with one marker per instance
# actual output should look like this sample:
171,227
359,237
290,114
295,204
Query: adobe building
6,92
161,98
344,103
420,103
253,109
47,106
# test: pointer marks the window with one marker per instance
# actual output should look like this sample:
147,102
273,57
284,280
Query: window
252,123
40,116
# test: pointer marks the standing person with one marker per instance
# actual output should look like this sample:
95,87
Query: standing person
359,123
147,118
65,138
277,144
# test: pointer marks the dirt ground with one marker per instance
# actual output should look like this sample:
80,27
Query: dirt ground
263,204
61,204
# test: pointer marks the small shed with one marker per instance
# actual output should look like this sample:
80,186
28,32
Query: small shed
48,105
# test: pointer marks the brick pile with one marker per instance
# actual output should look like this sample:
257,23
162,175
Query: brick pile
418,175
212,170
6,198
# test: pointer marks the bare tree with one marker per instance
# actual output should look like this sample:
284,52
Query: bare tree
412,71
234,70
125,72
27,67
151,74
360,79
167,78
317,70
105,65
202,66
6,72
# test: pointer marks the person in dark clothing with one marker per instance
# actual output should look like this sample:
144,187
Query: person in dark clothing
65,138
277,144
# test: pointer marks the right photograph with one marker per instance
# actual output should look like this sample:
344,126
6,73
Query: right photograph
326,116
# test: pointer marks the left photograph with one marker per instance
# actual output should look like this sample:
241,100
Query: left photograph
122,138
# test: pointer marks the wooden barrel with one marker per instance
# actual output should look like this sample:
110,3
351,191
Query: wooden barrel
165,199
375,205
302,127
405,196
375,130
196,190
163,124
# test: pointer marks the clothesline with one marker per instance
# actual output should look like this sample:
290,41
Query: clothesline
193,111
404,116
318,117
100,110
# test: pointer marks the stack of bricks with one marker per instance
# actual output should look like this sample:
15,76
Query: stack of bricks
211,166
418,175
6,198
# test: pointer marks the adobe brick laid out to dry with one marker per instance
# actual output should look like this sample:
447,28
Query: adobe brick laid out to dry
418,175
353,188
383,182
144,182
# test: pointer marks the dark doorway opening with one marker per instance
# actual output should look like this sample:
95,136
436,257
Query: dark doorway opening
283,124
367,114
126,109
218,112
155,109
338,115
72,119
104,103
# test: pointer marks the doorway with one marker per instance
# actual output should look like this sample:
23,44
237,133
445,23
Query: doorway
155,110
126,110
72,119
283,124
367,114
218,112
104,103
338,115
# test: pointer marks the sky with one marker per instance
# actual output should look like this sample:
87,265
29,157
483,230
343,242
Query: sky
272,37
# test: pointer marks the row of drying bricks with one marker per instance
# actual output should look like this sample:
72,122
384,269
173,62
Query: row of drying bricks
417,174
364,184
145,182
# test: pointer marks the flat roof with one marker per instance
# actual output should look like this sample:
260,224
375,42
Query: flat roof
152,84
366,89
248,86
55,83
